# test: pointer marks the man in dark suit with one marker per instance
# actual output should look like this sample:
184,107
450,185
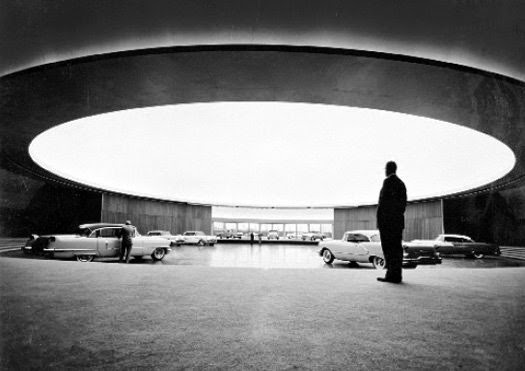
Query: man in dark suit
391,222
126,233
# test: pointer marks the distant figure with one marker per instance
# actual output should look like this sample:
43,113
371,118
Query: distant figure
260,238
391,222
252,237
126,233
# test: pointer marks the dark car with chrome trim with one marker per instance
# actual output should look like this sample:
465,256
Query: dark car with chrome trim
451,244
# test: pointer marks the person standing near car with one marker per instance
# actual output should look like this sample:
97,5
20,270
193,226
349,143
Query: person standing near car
391,222
126,233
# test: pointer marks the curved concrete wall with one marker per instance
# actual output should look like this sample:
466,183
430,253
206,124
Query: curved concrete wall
423,220
148,215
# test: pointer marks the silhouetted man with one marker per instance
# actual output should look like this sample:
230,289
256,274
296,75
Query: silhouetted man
126,233
391,222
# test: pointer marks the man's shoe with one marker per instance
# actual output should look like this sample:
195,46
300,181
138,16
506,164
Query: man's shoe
381,279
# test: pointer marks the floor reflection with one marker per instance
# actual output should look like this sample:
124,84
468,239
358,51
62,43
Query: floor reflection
250,256
299,256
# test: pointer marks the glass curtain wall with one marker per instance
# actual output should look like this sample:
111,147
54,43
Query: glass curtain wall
289,230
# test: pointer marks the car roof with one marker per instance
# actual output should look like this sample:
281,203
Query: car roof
366,232
99,225
454,235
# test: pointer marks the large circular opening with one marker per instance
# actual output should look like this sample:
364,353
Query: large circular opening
273,154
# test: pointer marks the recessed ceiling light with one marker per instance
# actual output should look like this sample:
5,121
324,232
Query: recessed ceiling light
269,153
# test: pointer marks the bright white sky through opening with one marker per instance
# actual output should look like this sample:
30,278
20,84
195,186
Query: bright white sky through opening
269,153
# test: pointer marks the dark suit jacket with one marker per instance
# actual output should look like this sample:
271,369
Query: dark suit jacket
392,204
126,233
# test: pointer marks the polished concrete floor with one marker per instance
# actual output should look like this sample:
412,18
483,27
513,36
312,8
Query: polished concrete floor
61,314
271,256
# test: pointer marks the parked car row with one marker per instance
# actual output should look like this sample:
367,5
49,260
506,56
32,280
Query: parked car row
187,238
271,235
357,246
364,246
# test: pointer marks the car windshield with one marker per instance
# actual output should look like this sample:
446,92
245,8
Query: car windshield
457,239
351,237
84,232
189,233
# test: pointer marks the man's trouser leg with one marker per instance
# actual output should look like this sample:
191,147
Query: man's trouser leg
397,256
393,252
128,251
122,252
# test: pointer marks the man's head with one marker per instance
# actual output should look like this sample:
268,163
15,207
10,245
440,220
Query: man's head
128,222
390,168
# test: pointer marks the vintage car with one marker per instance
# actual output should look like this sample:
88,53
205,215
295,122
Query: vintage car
95,240
197,238
238,235
224,234
364,246
459,244
312,236
273,235
174,239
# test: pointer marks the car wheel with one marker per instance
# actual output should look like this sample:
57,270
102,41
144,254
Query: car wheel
477,255
158,254
328,257
378,262
201,243
85,258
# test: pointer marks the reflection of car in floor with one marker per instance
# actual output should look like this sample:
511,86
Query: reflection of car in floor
364,246
95,240
459,244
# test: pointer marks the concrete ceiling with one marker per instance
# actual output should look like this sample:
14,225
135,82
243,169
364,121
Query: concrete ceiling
484,34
